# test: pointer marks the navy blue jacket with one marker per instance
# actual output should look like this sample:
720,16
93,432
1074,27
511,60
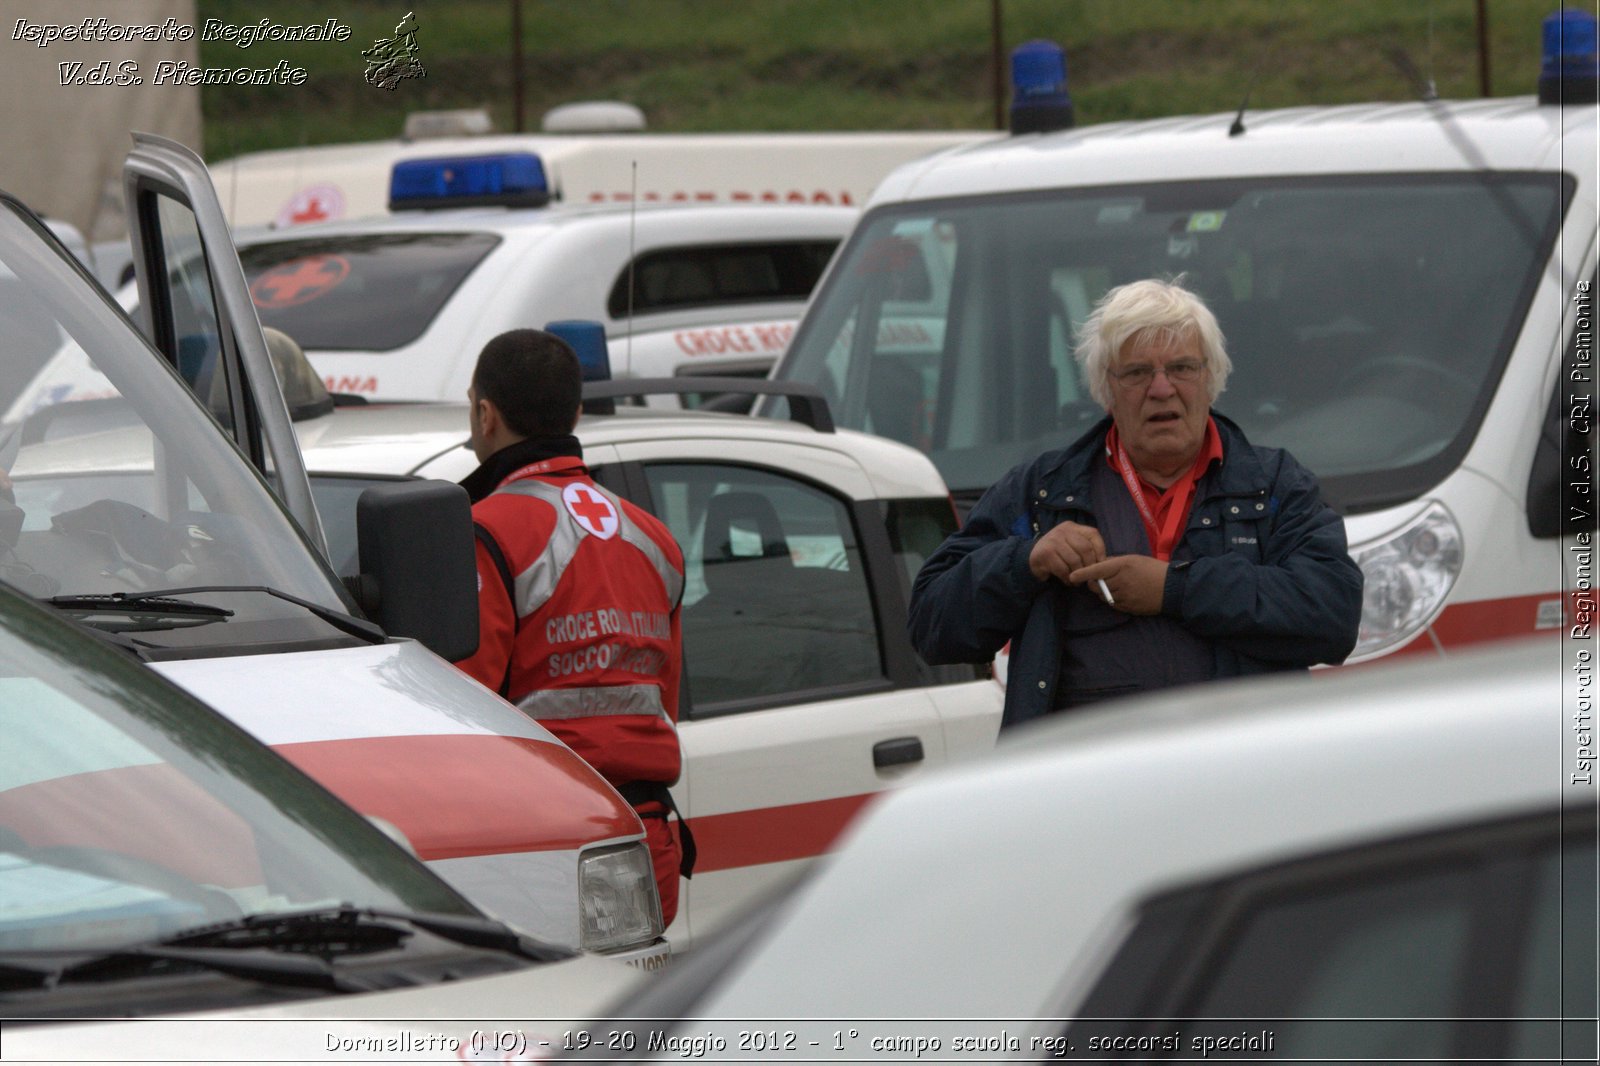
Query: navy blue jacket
1262,571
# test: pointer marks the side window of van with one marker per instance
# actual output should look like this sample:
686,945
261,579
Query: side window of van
882,360
676,279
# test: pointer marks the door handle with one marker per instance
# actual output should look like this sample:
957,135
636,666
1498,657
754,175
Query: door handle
897,752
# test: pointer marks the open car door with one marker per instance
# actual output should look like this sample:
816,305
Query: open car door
194,306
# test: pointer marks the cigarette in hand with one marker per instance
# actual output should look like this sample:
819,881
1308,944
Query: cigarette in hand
1105,590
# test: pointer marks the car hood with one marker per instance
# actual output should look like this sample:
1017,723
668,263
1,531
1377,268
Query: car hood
399,734
439,1021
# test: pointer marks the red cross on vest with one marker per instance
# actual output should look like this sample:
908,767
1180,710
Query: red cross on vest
591,510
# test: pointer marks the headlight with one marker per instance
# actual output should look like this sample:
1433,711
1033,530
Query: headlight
1408,575
618,900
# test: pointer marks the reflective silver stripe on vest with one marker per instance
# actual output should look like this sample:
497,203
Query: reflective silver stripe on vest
538,582
594,702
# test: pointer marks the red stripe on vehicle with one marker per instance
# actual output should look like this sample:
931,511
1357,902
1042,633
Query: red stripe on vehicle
1480,620
1461,625
462,795
771,834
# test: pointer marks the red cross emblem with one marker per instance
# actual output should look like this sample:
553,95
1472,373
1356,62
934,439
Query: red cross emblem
299,281
313,203
591,510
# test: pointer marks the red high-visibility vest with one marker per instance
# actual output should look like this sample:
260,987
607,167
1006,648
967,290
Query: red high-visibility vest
594,650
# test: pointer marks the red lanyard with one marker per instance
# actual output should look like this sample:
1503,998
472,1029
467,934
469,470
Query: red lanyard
1174,504
561,464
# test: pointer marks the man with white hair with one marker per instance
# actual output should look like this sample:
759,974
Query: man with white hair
1161,548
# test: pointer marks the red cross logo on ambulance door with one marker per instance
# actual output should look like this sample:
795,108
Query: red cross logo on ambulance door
298,281
591,510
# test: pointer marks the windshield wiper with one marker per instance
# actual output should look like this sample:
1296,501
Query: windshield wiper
352,929
345,623
167,602
137,603
155,960
293,948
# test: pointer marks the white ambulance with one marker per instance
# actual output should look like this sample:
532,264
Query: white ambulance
155,522
293,186
1407,292
397,307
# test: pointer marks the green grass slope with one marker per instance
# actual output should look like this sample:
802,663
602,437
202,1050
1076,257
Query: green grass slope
698,65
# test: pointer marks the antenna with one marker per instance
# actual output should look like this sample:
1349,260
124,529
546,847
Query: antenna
1431,91
1238,120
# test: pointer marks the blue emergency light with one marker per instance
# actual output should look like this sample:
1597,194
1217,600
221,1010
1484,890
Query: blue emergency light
588,339
509,179
1568,71
1039,98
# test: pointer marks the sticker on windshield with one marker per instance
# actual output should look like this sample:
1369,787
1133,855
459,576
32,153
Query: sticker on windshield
888,255
299,281
1206,221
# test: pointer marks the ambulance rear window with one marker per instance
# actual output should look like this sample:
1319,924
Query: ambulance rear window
675,279
363,293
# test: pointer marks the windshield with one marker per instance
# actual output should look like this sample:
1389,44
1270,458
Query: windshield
113,480
374,292
1368,318
129,811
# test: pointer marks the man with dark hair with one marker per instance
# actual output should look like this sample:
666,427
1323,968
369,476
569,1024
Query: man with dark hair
533,380
578,590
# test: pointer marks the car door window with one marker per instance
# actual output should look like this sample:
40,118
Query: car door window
190,315
1557,978
1472,942
1394,949
195,306
776,599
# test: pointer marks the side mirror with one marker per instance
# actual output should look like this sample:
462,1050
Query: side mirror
418,575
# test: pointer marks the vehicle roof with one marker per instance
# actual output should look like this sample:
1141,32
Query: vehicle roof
708,223
553,145
1506,133
1084,816
395,439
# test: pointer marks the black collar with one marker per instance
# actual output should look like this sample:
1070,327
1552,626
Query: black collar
514,457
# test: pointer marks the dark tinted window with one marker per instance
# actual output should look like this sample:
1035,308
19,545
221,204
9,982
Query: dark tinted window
336,505
775,597
706,275
361,293
1471,943
916,529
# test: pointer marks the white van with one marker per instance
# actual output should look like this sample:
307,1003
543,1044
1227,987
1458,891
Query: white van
294,186
158,863
1407,292
397,307
155,521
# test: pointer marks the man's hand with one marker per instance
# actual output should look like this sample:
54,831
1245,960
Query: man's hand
1065,548
1137,582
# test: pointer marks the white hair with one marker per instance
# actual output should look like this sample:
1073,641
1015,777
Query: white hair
1149,311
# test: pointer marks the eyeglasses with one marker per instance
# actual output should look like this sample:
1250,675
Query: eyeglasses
1139,377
